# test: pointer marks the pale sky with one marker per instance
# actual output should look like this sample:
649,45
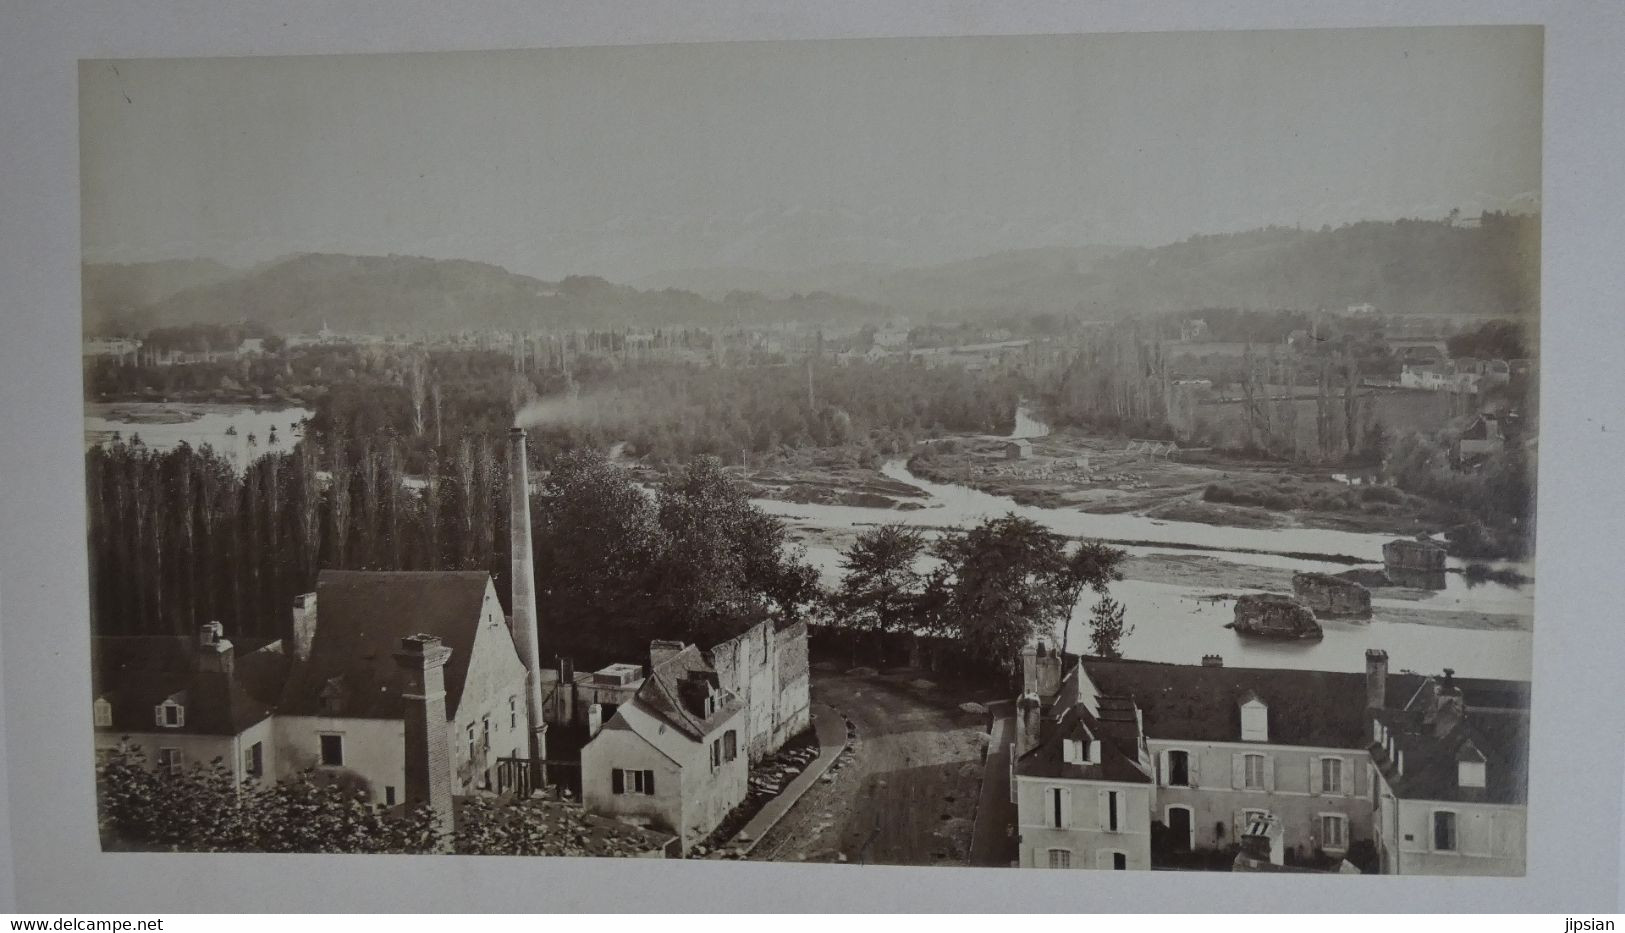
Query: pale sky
628,161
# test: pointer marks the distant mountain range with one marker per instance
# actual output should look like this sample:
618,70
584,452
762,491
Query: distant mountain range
1418,267
1407,266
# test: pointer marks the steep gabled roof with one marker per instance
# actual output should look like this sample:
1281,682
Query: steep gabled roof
361,618
661,695
1114,746
1500,738
134,674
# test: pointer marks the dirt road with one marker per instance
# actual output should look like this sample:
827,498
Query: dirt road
907,795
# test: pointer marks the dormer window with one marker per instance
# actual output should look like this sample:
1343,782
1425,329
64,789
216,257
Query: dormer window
1470,768
104,713
1254,720
169,715
1470,773
1076,751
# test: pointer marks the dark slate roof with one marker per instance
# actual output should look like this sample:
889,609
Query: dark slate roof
1501,737
1195,703
136,673
1496,726
361,618
1115,745
660,694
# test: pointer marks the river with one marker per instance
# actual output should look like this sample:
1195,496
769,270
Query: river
1173,623
240,433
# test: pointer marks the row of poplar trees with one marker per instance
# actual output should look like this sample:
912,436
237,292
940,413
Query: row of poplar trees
183,536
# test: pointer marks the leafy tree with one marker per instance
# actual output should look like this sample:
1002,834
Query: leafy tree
1006,584
881,589
1093,566
725,560
598,543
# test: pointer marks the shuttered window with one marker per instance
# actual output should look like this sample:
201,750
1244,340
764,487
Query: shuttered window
1252,771
630,781
1060,807
1179,769
1334,832
1060,858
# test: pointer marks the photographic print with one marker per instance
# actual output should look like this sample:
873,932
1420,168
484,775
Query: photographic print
1084,452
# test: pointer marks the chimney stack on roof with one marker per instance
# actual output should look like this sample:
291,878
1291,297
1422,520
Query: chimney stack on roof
214,652
662,650
1449,707
522,581
428,741
1041,670
304,625
1376,678
1212,660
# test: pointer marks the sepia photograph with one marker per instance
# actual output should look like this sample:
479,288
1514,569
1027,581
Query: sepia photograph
1082,452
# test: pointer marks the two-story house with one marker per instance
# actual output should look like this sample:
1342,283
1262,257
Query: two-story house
1451,783
1232,744
673,758
188,701
1081,775
341,711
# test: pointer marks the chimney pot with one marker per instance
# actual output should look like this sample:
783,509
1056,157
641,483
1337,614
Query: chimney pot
1376,678
1212,660
304,625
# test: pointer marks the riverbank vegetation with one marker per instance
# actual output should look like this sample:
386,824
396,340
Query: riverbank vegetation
990,589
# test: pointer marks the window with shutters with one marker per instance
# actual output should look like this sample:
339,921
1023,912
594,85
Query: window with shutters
485,733
1060,858
1331,775
730,745
170,715
1058,805
104,714
1334,831
1444,831
716,754
389,795
254,760
1252,774
169,761
1109,805
513,712
1179,769
632,781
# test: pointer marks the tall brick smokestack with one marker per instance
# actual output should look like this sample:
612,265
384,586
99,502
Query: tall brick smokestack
526,629
428,740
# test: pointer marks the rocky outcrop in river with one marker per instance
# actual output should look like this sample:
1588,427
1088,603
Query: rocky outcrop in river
1331,596
1274,615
